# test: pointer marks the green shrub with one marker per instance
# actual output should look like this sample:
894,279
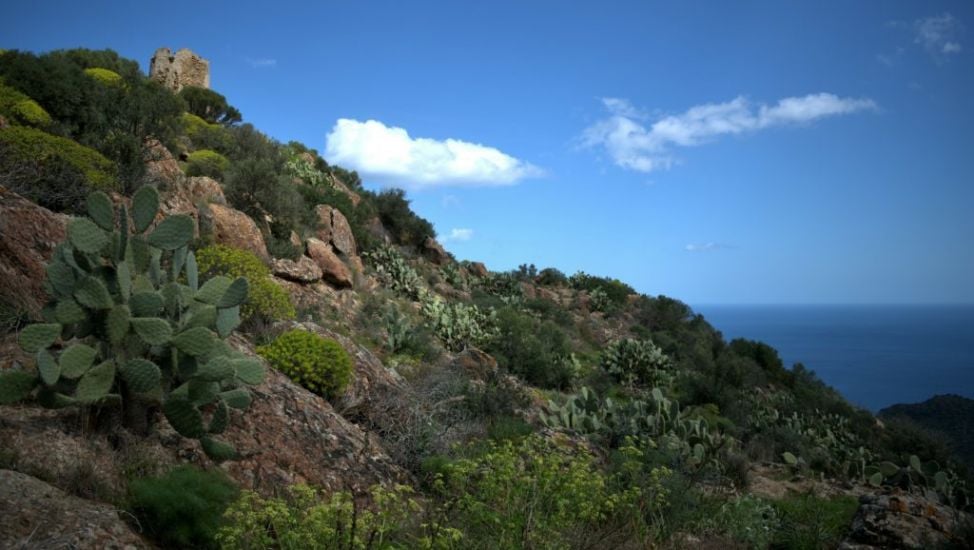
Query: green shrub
105,76
551,276
183,508
616,292
536,351
746,519
22,146
319,364
20,109
209,105
809,522
305,519
266,301
637,362
205,135
205,162
405,226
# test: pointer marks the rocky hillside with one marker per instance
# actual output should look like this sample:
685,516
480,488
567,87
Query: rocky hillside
213,339
950,417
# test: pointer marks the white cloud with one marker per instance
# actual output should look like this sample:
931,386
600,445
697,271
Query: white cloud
706,247
461,234
450,201
636,146
391,155
937,34
262,63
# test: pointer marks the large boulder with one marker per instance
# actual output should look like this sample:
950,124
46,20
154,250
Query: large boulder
161,169
478,269
302,270
34,514
902,520
333,228
188,195
234,228
333,269
435,252
28,236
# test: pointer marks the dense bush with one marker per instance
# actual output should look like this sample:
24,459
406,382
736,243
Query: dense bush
637,362
209,105
204,135
105,76
266,301
183,508
17,108
551,276
205,162
537,351
319,364
810,523
616,292
405,226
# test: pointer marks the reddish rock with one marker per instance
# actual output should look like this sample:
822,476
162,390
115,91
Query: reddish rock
333,269
234,228
28,236
304,270
333,228
435,251
34,514
188,195
478,269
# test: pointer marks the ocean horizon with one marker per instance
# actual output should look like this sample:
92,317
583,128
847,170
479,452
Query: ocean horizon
875,355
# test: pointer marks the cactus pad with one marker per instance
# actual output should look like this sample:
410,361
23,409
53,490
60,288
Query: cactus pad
15,385
145,204
249,371
172,232
68,312
87,237
40,336
184,417
141,375
238,398
96,383
195,341
146,304
235,295
92,293
76,360
153,331
218,450
101,211
47,367
227,320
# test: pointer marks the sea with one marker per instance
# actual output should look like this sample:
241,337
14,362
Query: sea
875,355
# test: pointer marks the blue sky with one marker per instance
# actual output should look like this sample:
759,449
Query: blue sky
716,152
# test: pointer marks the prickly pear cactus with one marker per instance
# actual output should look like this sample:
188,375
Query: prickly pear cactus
136,326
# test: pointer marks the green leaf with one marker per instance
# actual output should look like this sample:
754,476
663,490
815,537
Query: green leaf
96,383
171,233
39,336
218,450
76,360
213,290
85,236
15,385
249,370
153,331
68,312
235,295
145,205
195,341
92,293
888,469
146,304
220,419
47,367
789,458
117,323
192,272
237,398
141,375
215,370
227,320
101,211
124,276
184,417
916,464
876,479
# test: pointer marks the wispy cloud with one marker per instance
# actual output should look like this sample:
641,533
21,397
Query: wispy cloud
450,201
706,247
938,35
390,155
636,146
262,63
461,234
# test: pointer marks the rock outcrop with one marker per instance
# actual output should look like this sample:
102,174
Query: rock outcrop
435,252
34,514
161,168
333,269
333,228
178,70
233,228
302,270
901,520
28,235
189,195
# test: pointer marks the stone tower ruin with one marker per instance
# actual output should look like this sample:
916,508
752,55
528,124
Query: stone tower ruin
176,71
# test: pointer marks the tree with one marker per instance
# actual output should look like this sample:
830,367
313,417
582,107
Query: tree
210,106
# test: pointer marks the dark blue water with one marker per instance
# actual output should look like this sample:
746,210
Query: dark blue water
875,356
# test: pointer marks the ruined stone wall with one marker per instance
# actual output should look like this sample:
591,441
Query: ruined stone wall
175,71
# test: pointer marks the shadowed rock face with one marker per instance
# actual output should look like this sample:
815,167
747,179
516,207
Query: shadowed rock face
34,514
28,236
901,520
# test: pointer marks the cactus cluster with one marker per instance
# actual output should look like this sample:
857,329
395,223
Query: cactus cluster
395,271
136,326
656,419
456,324
637,363
454,276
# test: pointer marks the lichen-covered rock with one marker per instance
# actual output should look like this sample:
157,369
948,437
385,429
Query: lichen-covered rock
233,228
28,235
303,270
34,514
161,168
333,269
901,520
